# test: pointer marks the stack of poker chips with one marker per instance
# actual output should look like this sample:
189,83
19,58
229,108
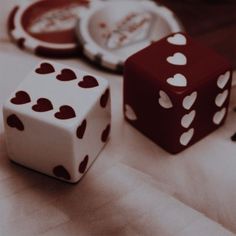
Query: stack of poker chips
107,32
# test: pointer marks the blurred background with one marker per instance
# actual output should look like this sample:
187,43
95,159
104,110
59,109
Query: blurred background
211,21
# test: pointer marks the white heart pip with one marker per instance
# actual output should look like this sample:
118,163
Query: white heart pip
189,100
186,137
177,39
221,97
223,80
164,100
188,119
129,113
219,116
178,80
178,59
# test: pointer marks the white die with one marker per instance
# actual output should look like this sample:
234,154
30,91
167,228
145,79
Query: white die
57,121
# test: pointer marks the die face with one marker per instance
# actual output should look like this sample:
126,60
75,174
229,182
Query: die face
147,108
179,68
59,95
39,145
175,125
208,113
55,119
91,136
191,103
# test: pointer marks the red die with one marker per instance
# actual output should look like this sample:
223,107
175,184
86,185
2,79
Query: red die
176,91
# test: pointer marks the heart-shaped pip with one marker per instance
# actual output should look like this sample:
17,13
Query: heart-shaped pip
88,82
83,165
187,120
186,137
233,137
178,80
177,39
223,79
66,75
105,133
45,68
104,99
164,100
81,130
221,97
66,112
14,122
61,172
189,100
219,116
129,113
21,98
178,59
43,105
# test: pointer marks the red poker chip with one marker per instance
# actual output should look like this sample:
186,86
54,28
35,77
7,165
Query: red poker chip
46,27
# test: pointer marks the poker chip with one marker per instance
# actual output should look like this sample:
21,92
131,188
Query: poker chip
46,27
111,31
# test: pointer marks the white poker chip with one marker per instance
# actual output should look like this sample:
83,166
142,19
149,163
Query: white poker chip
46,27
111,31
